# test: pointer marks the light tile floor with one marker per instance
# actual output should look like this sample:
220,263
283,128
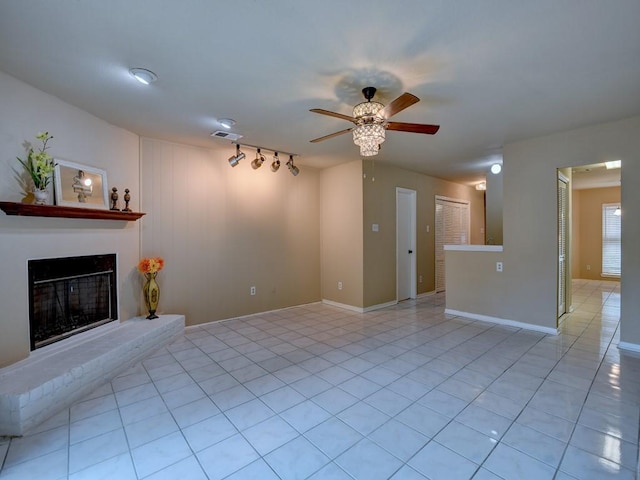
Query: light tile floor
322,393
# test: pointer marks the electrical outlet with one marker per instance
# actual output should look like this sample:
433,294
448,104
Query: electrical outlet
498,266
252,291
420,279
588,267
339,285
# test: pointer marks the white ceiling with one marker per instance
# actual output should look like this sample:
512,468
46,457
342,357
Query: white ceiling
489,72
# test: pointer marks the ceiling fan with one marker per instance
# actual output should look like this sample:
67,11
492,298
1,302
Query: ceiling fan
371,120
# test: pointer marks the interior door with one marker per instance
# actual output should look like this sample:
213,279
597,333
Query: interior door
563,225
405,244
452,228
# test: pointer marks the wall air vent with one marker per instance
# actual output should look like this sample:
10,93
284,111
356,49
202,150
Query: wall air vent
226,135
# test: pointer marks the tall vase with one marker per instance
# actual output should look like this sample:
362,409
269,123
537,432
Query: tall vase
151,294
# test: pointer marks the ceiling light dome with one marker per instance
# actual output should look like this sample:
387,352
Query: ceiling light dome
227,122
143,75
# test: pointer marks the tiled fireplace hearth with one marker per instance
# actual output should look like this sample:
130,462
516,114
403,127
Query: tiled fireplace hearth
82,346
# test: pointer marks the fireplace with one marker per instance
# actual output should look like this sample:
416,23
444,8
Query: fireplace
70,295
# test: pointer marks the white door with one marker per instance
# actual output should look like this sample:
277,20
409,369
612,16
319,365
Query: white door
452,228
405,243
563,225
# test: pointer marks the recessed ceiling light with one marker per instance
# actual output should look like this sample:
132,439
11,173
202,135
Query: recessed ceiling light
496,168
613,164
143,75
227,122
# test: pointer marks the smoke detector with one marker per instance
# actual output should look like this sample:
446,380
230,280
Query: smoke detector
226,135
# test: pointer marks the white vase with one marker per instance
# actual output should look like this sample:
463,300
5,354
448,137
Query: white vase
42,197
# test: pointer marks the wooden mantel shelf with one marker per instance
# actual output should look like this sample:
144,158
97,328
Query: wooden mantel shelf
32,210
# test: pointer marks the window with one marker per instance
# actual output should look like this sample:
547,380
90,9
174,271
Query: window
611,251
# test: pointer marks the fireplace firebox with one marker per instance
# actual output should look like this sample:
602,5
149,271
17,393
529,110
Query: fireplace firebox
70,295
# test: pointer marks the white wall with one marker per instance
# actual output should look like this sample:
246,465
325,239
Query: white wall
78,137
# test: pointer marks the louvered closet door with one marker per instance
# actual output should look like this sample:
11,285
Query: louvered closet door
563,213
452,228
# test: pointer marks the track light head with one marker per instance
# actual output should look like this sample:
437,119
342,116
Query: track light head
292,168
276,162
258,161
235,159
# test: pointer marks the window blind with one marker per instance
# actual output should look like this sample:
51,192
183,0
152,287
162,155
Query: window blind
611,233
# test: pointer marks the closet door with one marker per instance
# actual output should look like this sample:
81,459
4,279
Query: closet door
452,228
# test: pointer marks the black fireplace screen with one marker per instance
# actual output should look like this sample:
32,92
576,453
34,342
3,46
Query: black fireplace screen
70,295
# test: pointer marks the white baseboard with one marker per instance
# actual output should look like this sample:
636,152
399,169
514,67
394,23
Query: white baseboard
503,321
629,347
427,294
359,309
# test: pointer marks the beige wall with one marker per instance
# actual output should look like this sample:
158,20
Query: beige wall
78,137
576,207
494,203
528,291
589,236
630,193
380,208
341,234
222,230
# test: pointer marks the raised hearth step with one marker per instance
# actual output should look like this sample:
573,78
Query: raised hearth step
37,388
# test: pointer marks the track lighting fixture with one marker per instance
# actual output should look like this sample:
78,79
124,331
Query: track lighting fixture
276,162
235,159
258,161
292,168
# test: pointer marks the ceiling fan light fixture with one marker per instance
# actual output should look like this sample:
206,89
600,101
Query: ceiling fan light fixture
367,109
368,137
143,75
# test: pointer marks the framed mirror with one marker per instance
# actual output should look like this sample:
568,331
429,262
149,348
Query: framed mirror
77,185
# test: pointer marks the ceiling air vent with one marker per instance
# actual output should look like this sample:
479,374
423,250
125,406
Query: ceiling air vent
226,135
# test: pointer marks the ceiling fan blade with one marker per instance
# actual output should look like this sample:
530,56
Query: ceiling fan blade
327,137
413,127
403,101
333,114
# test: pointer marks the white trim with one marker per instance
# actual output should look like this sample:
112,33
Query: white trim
248,315
427,294
629,347
453,200
474,248
503,321
359,309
